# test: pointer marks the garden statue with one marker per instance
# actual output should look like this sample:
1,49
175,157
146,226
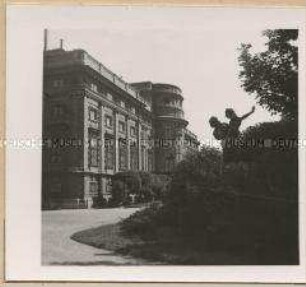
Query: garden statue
228,134
220,129
235,122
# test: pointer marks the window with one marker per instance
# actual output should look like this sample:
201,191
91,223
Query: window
109,185
142,135
167,101
168,133
58,83
109,153
133,110
169,163
133,156
132,131
108,121
109,96
122,155
93,114
94,87
93,149
55,186
150,160
121,127
143,158
122,104
102,91
93,188
57,111
55,158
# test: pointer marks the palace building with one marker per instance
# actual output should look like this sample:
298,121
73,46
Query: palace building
95,124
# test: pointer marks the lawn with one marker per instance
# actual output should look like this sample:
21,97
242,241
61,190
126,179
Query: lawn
168,251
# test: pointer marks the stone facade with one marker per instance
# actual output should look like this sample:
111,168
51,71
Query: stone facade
95,124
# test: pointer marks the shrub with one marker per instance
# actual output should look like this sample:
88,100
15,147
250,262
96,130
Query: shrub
145,186
249,211
198,195
125,183
275,166
143,223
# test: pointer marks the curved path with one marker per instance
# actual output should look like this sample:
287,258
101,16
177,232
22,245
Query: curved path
59,225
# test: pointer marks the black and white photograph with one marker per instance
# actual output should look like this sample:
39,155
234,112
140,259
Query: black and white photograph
157,137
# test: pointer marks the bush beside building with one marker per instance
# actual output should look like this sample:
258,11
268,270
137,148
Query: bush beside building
248,212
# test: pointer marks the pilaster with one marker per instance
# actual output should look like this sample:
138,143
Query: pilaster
85,134
102,140
139,144
116,138
128,160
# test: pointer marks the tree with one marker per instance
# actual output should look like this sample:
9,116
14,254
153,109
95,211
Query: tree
272,75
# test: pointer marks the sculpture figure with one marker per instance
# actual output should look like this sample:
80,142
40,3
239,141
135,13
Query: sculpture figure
235,122
221,130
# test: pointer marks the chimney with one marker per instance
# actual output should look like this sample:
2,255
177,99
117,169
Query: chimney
61,44
45,39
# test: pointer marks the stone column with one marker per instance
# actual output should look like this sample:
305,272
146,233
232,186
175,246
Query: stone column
102,139
128,160
182,146
139,143
116,144
85,150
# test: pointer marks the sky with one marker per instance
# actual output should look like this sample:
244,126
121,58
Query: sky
195,49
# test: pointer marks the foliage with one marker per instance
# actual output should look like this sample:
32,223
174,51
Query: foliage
239,213
274,165
273,138
123,184
272,75
144,223
272,130
197,193
196,196
145,186
248,206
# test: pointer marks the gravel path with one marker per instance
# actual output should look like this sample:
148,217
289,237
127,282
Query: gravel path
59,225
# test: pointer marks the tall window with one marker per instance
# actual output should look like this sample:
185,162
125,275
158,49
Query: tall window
108,121
150,160
133,156
93,114
93,188
121,127
93,149
168,133
133,131
55,186
58,83
122,155
57,111
109,152
102,91
109,97
55,157
169,163
109,185
143,158
122,104
94,87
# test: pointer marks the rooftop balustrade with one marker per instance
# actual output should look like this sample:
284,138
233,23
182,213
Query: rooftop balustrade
60,57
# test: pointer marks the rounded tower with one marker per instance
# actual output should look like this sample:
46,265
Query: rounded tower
169,125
